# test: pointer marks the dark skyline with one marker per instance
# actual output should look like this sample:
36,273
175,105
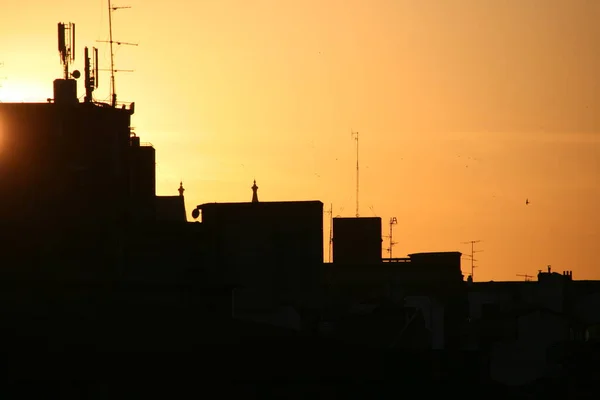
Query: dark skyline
93,259
509,86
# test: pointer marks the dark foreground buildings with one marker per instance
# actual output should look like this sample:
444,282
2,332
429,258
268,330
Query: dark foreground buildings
92,258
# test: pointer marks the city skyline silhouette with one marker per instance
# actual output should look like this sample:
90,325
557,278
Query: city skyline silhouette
464,112
453,240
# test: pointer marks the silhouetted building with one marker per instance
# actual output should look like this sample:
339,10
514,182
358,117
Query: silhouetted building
519,324
357,240
64,162
171,208
142,179
276,246
65,181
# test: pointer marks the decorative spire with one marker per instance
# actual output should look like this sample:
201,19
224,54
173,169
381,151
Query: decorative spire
181,189
254,193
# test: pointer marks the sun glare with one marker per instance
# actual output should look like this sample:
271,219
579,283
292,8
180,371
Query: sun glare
20,92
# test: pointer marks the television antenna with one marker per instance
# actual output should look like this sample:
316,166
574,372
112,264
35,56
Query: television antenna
471,256
113,94
393,221
527,277
355,137
330,212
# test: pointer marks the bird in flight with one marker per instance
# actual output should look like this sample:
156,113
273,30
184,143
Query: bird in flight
526,201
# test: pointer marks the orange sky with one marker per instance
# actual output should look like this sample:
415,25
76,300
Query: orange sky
465,108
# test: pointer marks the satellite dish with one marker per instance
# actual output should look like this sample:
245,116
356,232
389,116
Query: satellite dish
76,74
195,213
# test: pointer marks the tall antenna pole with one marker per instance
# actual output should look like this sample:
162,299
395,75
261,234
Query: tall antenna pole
355,136
113,93
473,251
393,221
330,231
527,277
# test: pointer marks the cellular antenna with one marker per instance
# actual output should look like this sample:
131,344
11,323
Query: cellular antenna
471,257
66,45
355,137
91,73
113,94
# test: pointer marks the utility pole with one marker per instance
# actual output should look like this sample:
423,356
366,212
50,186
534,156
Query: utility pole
393,221
473,251
355,137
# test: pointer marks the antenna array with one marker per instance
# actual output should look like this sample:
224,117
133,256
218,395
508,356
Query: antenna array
113,94
527,277
91,73
330,212
393,221
66,45
471,257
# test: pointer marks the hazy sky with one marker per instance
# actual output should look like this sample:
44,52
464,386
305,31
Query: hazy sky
465,108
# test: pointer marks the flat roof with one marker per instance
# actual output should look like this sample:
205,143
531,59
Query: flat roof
436,253
266,203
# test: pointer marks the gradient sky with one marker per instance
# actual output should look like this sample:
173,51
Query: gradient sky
465,108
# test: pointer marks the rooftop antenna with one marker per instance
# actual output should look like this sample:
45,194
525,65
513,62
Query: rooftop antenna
66,45
355,137
527,277
91,73
330,212
113,94
471,257
393,221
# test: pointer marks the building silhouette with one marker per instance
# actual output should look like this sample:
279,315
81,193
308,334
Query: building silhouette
83,230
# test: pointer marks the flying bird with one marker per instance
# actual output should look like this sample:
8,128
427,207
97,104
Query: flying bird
526,201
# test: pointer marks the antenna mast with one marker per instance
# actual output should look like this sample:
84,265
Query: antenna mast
355,137
527,277
66,45
330,212
113,94
473,251
393,221
91,73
